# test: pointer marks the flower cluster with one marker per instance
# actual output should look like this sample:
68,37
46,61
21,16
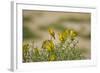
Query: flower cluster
68,33
65,49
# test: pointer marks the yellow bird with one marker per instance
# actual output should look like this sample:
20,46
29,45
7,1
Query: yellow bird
51,32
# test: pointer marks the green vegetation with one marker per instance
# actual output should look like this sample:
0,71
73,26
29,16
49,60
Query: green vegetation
65,49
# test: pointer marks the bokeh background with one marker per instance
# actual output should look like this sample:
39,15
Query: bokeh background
36,24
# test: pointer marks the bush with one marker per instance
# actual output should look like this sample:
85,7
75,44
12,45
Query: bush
65,49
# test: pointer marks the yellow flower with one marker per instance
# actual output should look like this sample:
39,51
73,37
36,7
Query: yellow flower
63,36
51,32
73,33
52,57
48,44
51,44
67,31
66,34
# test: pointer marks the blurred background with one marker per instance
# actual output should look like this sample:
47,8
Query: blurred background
36,24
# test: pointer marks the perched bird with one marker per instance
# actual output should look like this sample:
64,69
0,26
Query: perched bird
51,32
